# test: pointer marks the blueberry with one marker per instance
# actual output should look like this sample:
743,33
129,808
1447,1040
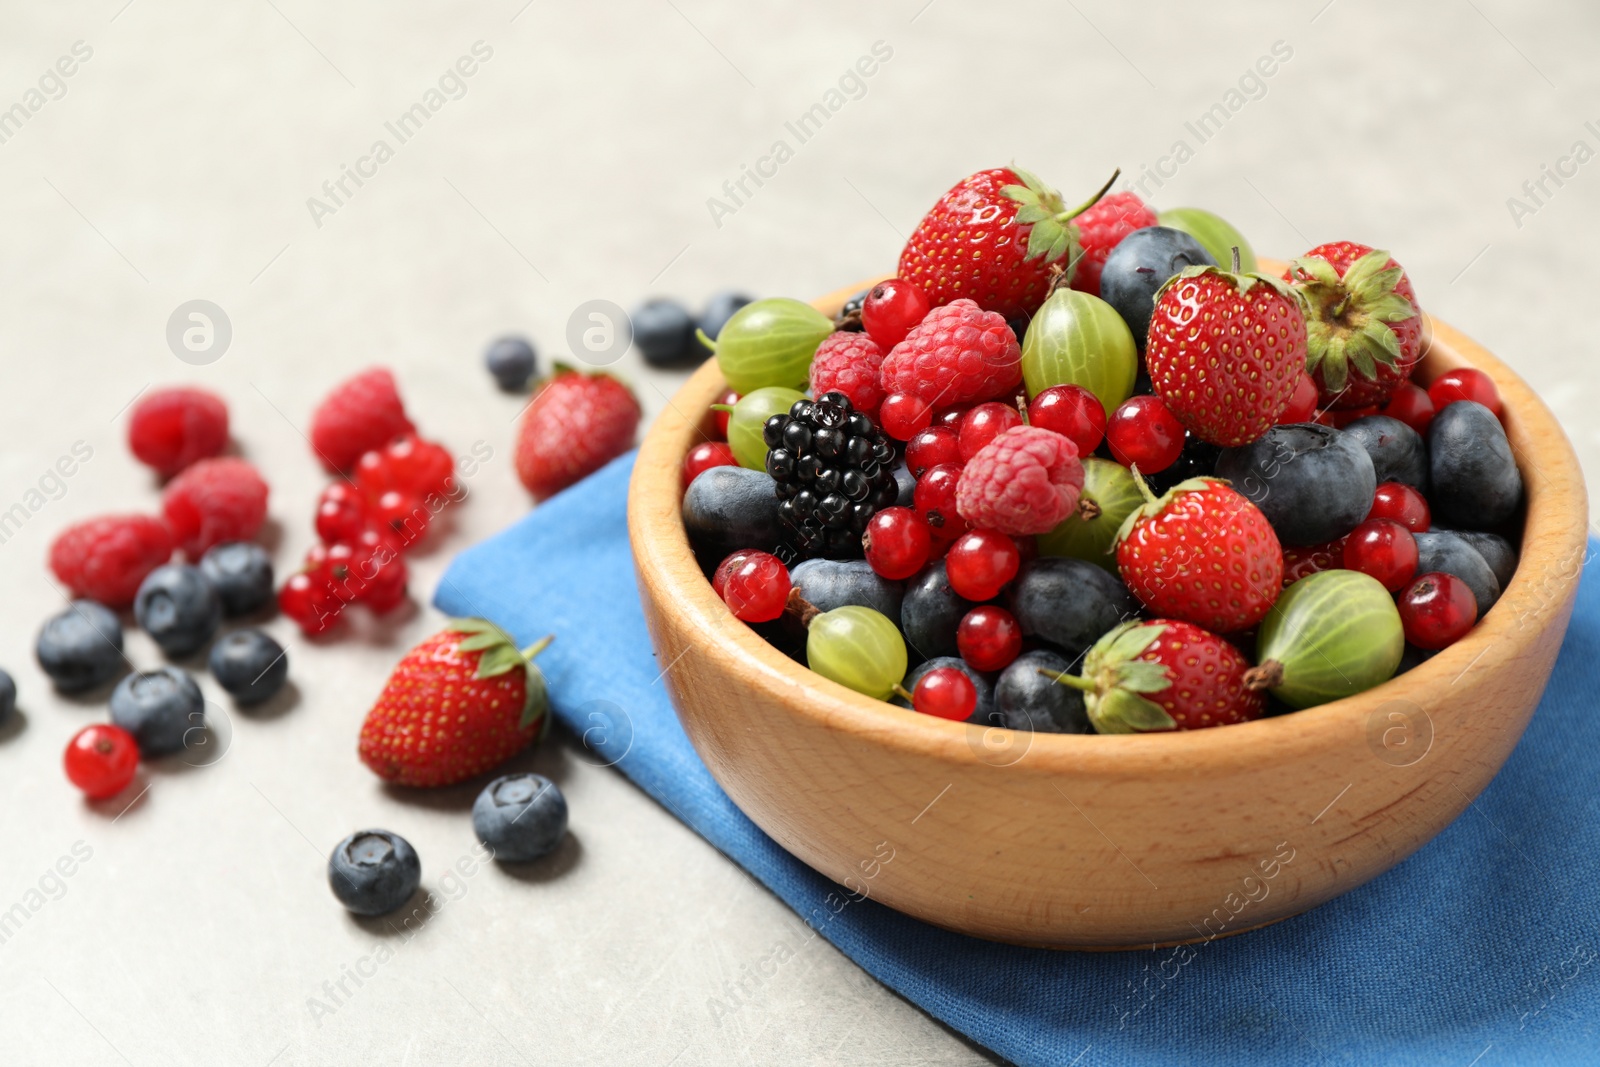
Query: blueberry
1139,265
1398,452
1314,483
1475,481
1495,550
1197,460
1070,603
241,574
158,708
663,331
906,484
1447,551
81,647
982,713
931,611
512,362
178,608
1027,700
729,508
835,583
8,697
373,872
520,817
250,665
1413,657
718,310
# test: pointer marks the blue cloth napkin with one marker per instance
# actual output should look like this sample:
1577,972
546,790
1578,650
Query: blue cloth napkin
1483,949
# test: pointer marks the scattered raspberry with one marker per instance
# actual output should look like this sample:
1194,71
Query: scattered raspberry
848,362
959,354
1101,228
105,559
1023,482
215,500
172,428
360,414
576,424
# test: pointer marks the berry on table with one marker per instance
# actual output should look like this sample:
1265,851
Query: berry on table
834,470
754,585
1384,549
341,512
932,447
178,608
1403,504
520,817
105,559
1364,330
241,574
373,872
8,697
1025,481
663,331
1143,432
1137,268
1437,610
1464,383
1101,228
1073,412
250,665
512,362
168,429
403,515
896,543
982,424
1412,405
386,571
704,456
945,693
980,564
989,637
306,600
849,363
101,760
958,354
410,464
159,708
216,500
81,647
891,309
576,424
358,415
903,416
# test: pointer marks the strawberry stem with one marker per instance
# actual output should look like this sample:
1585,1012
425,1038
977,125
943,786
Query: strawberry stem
1063,678
537,647
1236,259
1067,216
1144,488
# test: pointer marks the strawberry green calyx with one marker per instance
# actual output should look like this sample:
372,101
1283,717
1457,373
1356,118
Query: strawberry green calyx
1052,235
1154,505
1349,319
500,656
1243,281
1115,680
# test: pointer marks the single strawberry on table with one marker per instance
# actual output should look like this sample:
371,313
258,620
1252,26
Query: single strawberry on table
1364,329
576,424
458,704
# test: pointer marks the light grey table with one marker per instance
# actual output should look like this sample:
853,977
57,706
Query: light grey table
598,151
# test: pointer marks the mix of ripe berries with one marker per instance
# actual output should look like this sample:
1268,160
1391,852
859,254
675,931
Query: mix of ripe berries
1088,469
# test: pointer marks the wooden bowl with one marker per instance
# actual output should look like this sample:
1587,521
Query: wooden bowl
1086,841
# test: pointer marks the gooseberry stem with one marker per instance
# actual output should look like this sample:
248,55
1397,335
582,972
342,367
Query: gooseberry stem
1063,678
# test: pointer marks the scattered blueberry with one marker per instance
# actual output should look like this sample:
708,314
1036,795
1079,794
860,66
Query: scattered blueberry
512,362
241,574
1495,550
1139,265
1314,483
1027,700
983,713
158,708
178,608
81,647
1448,551
930,612
1398,452
250,665
663,331
718,310
8,697
834,583
729,508
907,484
1475,481
373,872
520,817
1070,603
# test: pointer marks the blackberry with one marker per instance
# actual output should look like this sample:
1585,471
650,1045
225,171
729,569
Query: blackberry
1197,460
849,317
834,470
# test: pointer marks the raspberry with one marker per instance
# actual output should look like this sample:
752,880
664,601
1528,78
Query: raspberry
172,428
848,363
105,559
360,414
1102,228
215,500
1023,482
958,354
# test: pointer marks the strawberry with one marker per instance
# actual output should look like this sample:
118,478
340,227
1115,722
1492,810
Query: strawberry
1203,554
1101,228
458,704
1163,674
1364,330
993,238
1225,352
576,424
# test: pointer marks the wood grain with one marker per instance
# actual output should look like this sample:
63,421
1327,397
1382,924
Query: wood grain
1100,842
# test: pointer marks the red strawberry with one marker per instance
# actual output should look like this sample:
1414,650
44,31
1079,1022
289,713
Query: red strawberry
1364,329
1101,228
1202,553
458,704
1225,352
576,424
1163,674
993,239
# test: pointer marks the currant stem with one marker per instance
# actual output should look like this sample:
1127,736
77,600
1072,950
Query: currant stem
537,647
901,692
1063,678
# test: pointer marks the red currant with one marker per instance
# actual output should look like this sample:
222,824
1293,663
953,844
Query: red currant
341,513
705,455
989,638
373,475
1073,412
896,543
935,501
980,563
1144,432
1303,404
719,577
931,447
404,514
903,416
1437,610
945,693
1340,418
720,419
101,760
386,589
754,585
951,418
1464,383
1403,504
1385,550
420,468
316,562
1412,406
983,424
308,602
890,310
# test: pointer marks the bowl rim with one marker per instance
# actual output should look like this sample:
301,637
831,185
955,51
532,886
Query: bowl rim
1554,540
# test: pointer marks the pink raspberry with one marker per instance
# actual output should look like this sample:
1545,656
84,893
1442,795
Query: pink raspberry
1023,482
1102,228
848,361
172,428
958,354
105,559
359,415
215,500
